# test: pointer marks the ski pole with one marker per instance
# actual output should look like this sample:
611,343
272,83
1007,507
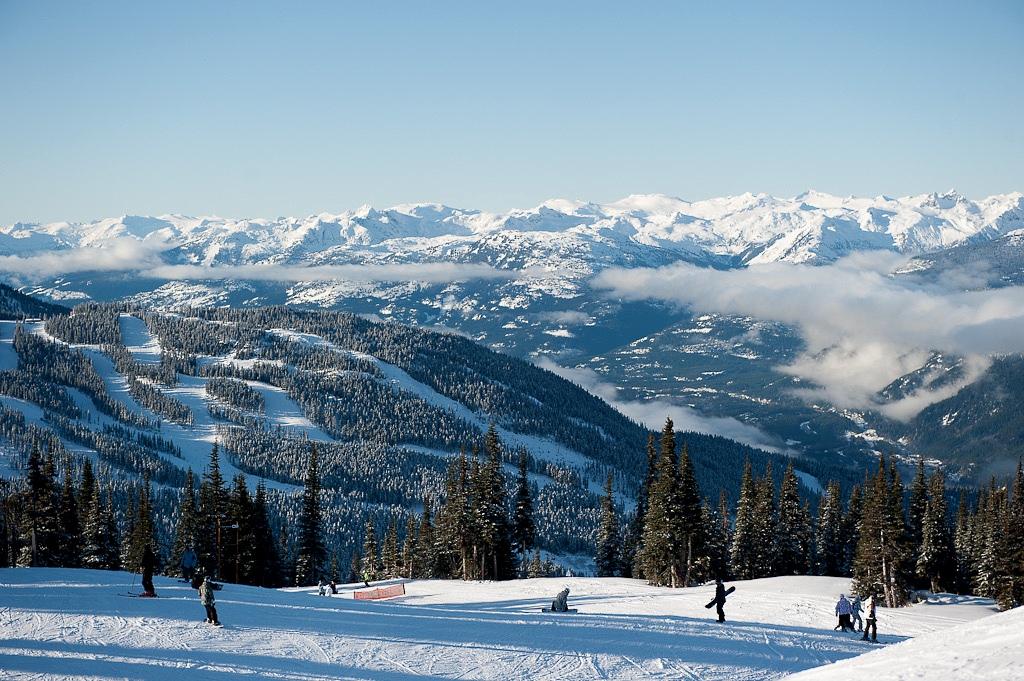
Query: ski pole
133,584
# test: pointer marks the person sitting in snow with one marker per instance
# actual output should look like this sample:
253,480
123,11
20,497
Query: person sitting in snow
334,587
843,609
560,604
208,601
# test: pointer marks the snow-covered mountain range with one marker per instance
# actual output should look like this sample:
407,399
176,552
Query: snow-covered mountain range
795,316
809,228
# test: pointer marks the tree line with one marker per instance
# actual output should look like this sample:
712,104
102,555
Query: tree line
890,541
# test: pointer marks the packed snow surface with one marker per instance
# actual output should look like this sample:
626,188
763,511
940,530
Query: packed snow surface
61,623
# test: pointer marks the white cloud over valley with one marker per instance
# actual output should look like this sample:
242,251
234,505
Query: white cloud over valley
863,328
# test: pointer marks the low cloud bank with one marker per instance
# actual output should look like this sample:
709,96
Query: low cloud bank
129,255
863,327
652,413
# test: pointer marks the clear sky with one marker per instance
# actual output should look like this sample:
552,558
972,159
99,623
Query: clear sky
258,109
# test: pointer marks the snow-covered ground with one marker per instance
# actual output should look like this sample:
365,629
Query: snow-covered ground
58,624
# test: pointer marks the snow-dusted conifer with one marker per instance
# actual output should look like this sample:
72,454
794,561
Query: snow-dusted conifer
792,528
743,556
608,549
310,554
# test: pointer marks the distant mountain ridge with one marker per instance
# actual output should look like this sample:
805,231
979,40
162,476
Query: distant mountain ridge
812,227
522,282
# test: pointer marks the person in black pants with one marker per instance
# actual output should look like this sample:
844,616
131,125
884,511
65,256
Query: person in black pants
148,563
870,621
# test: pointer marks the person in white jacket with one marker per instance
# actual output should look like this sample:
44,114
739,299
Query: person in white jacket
870,621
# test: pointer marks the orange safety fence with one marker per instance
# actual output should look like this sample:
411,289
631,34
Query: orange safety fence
379,593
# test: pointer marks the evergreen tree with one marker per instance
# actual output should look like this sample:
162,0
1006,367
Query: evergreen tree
963,547
389,553
1010,549
266,567
411,567
935,559
880,563
828,537
692,520
238,547
916,509
608,549
187,532
719,539
631,552
71,531
454,523
40,533
743,556
792,528
490,520
101,548
86,492
143,529
851,528
663,529
763,523
370,567
524,530
310,554
212,512
8,523
425,558
987,536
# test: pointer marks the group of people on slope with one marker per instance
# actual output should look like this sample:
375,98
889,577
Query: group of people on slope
849,615
198,580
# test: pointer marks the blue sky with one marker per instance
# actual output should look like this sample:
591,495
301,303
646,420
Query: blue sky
252,109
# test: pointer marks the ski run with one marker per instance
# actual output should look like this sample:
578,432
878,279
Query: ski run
72,624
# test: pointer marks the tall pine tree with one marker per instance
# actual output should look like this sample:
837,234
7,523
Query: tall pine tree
310,554
792,528
524,529
608,548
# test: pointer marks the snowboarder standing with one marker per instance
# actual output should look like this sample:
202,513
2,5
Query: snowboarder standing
208,601
148,563
188,563
844,610
870,622
857,622
719,600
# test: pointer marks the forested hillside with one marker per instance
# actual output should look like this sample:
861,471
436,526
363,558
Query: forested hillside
387,407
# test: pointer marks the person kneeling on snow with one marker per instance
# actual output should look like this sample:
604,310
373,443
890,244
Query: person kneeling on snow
560,604
207,599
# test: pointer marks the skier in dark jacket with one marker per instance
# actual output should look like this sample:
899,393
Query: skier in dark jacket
188,563
148,563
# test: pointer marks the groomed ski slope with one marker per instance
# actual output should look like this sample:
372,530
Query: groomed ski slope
61,623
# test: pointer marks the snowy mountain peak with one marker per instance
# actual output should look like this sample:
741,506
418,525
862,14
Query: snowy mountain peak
811,227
